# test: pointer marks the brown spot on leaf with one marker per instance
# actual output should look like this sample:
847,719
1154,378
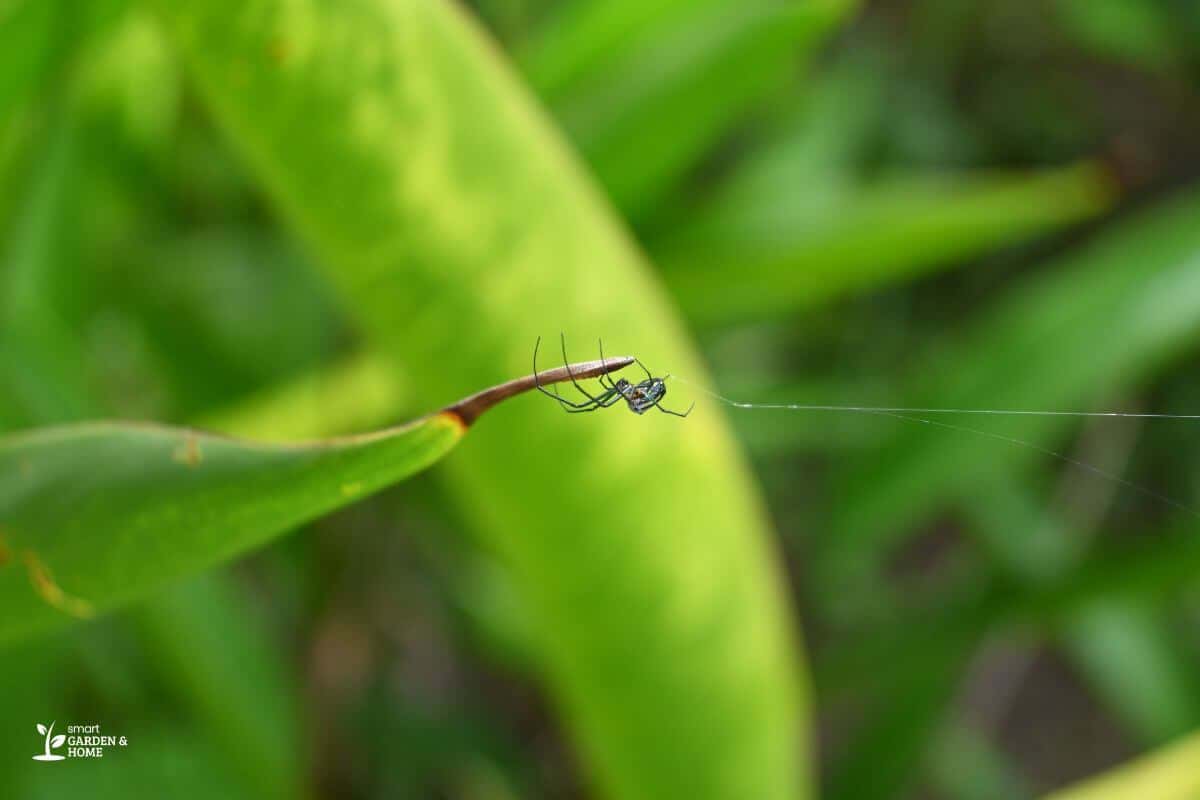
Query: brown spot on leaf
188,452
44,584
457,417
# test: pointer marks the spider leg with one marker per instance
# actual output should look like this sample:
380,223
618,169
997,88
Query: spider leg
563,340
575,408
584,406
605,376
567,403
603,401
607,398
675,413
643,366
581,410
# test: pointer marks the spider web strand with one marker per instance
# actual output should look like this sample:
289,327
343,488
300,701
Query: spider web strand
903,413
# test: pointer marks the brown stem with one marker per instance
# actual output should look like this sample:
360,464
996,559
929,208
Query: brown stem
469,408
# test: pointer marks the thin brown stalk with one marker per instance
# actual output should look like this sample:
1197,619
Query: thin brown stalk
469,408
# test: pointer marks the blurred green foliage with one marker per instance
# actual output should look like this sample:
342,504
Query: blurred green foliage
291,221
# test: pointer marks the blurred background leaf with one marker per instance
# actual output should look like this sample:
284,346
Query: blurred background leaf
596,599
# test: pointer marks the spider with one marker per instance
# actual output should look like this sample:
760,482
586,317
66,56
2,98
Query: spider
639,396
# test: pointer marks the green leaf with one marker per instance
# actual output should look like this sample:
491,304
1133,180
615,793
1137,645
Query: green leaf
1133,31
1137,662
584,37
646,89
965,765
41,363
31,40
87,506
781,249
457,229
1149,573
210,650
96,515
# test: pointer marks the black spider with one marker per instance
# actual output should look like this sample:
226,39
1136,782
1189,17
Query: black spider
639,396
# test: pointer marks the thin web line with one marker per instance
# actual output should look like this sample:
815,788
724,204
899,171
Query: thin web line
995,412
905,414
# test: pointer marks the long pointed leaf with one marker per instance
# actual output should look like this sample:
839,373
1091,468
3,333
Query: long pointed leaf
458,228
98,514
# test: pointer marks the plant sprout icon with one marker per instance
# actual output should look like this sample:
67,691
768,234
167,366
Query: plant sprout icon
55,742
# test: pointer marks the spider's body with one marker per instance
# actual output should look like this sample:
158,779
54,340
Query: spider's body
640,397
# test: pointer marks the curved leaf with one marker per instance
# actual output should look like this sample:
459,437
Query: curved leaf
763,253
95,515
457,228
100,513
